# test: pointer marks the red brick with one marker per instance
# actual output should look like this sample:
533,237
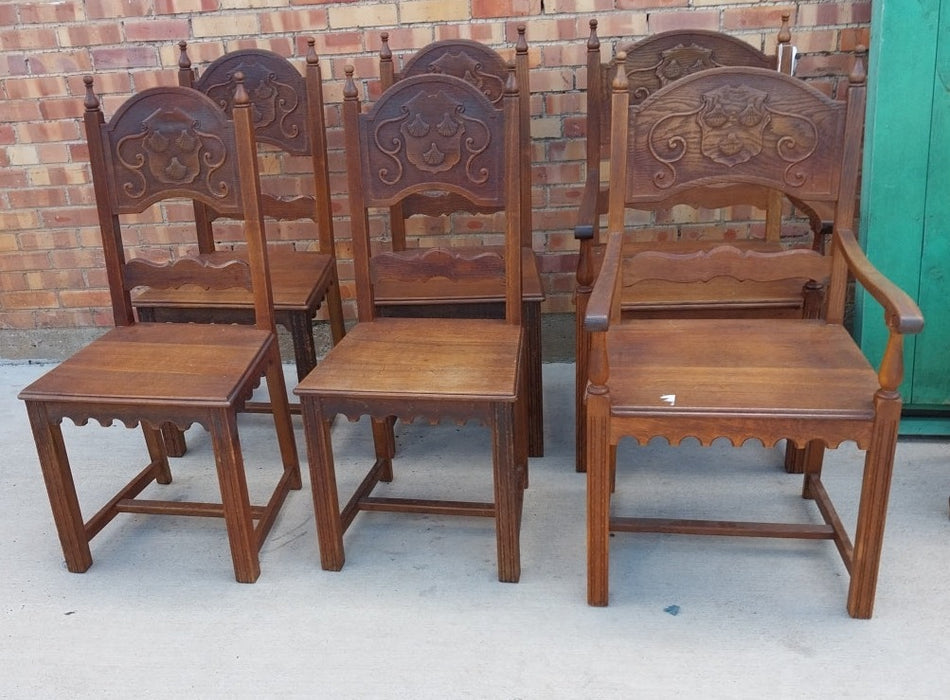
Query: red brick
20,110
69,107
21,38
668,21
293,21
59,62
8,16
69,217
35,88
128,57
37,197
44,12
505,8
14,64
169,7
155,29
90,34
106,9
54,279
72,298
33,299
756,17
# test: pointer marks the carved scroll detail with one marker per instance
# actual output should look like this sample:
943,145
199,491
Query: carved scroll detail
735,125
272,101
433,134
171,150
471,70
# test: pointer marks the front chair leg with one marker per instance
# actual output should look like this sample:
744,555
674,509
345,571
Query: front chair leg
61,489
508,493
326,505
234,497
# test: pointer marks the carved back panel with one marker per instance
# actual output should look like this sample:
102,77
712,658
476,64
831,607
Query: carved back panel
165,143
487,70
430,134
471,61
735,125
277,90
288,112
170,143
661,59
433,132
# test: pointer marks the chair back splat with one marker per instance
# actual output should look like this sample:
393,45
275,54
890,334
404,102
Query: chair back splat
802,380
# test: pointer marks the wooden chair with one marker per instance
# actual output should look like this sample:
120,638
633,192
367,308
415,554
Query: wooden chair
428,132
802,380
648,65
170,143
487,70
289,115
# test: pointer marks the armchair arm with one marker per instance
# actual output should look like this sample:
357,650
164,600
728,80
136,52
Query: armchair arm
605,297
901,312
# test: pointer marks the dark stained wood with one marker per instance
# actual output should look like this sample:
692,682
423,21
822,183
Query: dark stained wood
427,132
471,295
648,65
156,374
803,380
289,115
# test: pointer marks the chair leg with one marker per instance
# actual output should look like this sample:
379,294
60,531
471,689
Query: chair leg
61,489
156,453
174,440
326,504
283,424
300,326
384,442
872,511
599,460
234,497
335,311
812,458
509,493
535,398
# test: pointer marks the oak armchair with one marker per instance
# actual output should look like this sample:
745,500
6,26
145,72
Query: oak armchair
803,380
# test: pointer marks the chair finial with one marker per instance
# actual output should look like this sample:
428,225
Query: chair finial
522,45
858,75
91,102
620,77
349,87
312,58
784,33
385,53
593,41
184,62
241,98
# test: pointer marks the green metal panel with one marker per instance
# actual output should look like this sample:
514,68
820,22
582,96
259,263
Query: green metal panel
932,358
905,197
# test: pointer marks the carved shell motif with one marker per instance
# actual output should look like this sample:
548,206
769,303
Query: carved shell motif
171,150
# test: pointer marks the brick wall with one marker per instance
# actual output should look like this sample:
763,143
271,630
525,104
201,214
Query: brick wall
50,261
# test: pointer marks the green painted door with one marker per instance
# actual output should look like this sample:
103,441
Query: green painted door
905,195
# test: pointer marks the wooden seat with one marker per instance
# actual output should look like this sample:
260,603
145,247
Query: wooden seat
429,132
289,116
170,143
797,379
475,298
648,65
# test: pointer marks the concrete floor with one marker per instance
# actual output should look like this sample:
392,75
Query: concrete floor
418,612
